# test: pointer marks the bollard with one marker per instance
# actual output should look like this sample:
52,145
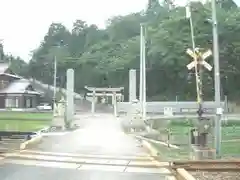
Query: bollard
28,137
192,136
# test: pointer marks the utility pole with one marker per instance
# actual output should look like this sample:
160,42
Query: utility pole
143,71
54,84
1,51
55,75
216,81
141,68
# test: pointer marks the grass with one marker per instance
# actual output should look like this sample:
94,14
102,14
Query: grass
179,136
230,138
20,125
169,154
25,116
24,121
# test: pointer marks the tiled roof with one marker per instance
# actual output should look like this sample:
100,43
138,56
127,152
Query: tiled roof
12,75
51,88
18,87
3,67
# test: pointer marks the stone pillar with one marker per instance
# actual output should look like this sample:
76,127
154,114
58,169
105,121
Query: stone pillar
70,95
132,85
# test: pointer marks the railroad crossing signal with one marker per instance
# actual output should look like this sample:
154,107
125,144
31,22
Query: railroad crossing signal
199,58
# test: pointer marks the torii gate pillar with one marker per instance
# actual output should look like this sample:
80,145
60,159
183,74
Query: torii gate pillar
93,101
115,104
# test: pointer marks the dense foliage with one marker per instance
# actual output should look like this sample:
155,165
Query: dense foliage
103,57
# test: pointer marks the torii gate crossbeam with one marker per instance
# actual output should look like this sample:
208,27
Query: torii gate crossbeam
114,92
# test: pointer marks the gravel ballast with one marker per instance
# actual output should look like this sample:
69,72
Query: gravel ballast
203,175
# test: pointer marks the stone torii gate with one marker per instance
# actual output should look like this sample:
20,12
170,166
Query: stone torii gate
103,92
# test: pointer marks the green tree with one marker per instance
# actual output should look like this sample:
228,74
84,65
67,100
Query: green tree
103,57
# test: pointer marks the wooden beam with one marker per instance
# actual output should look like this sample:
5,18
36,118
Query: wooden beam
104,94
104,89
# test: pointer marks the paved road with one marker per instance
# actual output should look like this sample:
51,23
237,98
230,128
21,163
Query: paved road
99,150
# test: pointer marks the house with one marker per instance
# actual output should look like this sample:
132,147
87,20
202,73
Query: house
15,91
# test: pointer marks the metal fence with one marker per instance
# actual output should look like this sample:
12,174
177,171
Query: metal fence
172,138
178,107
171,141
230,134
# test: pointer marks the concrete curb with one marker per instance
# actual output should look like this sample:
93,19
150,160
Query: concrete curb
35,139
158,142
181,172
154,153
152,150
47,128
30,142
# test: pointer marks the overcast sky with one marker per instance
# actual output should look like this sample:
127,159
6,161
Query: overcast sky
25,22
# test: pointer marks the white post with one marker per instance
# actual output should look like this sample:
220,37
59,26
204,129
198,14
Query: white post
70,94
93,101
132,85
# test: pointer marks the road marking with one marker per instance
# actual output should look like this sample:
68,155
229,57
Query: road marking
42,163
146,170
80,167
83,162
147,163
77,160
102,168
99,156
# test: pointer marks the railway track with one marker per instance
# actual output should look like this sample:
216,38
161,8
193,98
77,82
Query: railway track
178,170
220,165
206,169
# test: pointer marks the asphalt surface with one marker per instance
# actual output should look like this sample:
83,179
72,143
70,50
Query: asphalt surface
98,150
